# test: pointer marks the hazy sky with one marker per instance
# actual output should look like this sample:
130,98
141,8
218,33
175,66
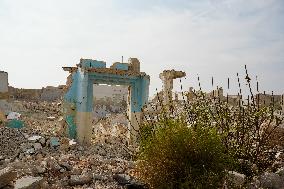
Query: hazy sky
205,37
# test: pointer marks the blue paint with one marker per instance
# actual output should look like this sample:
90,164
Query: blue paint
15,124
54,142
120,66
72,129
89,63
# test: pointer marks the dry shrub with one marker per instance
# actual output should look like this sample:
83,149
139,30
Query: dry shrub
174,155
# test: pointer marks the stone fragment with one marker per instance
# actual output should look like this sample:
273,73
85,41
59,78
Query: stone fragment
6,176
29,183
66,165
40,169
51,118
80,179
34,138
37,146
42,141
30,151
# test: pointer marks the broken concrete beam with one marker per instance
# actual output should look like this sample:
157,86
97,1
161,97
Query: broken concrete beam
6,176
29,183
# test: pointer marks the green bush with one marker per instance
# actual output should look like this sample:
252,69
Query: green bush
173,155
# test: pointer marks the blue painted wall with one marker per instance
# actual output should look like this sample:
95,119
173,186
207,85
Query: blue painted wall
121,66
80,95
89,63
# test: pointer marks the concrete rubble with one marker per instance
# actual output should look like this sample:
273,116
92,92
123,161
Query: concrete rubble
40,155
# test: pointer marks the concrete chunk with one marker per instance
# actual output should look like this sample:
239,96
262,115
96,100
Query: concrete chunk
29,183
6,176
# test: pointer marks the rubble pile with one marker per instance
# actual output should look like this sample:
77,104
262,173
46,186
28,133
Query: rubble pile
11,139
39,156
110,134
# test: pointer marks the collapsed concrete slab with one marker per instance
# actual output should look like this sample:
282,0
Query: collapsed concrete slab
78,100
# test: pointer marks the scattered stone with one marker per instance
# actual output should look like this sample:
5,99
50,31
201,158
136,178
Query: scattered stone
29,183
80,179
6,176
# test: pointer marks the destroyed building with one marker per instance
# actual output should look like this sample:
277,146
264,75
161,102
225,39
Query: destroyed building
48,93
78,100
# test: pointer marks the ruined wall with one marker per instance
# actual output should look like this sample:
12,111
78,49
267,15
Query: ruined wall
45,94
267,99
3,85
52,93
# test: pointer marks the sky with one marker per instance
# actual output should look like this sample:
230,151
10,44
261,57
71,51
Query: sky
204,38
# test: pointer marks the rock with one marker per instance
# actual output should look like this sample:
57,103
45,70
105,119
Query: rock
80,179
122,179
66,165
37,146
42,141
51,118
236,179
40,169
30,151
54,166
271,180
34,138
54,142
6,176
29,183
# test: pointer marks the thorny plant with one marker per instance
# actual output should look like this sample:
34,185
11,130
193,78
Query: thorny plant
245,127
